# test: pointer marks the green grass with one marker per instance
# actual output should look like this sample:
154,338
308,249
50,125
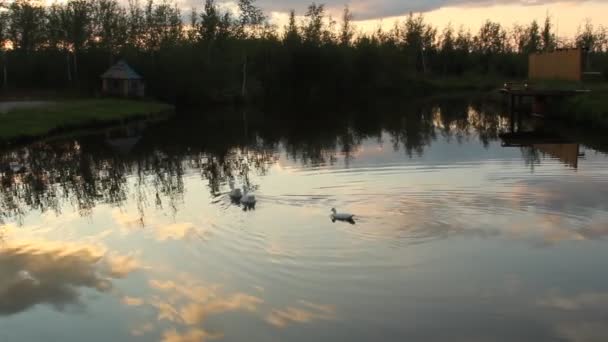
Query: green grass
467,82
591,108
71,114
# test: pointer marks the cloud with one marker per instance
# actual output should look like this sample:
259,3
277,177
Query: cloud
188,304
53,273
541,212
127,220
195,313
142,329
192,335
376,9
132,301
577,302
584,331
580,316
176,231
305,312
118,266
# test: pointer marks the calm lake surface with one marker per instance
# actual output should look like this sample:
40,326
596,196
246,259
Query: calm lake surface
462,233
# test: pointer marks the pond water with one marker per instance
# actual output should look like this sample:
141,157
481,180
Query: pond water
470,226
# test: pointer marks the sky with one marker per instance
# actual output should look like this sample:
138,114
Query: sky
369,14
567,15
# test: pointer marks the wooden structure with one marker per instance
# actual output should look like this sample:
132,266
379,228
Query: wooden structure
561,64
121,80
555,146
517,92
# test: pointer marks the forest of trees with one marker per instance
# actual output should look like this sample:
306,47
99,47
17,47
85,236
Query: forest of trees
211,55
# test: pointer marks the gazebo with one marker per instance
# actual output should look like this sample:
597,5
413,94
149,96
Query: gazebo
122,80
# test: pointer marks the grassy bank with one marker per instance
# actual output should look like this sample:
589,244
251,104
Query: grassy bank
54,117
589,109
469,82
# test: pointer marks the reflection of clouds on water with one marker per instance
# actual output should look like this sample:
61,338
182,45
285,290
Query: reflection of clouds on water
119,265
33,273
559,211
580,301
583,331
188,303
305,312
195,302
142,329
132,301
570,195
278,249
176,231
162,231
126,220
550,229
191,335
579,316
543,212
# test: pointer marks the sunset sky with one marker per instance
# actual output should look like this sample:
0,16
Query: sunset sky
567,15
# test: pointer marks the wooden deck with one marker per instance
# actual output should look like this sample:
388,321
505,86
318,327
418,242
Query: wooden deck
540,95
532,92
556,146
531,138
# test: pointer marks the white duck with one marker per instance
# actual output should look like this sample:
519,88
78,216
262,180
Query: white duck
336,216
16,167
235,193
248,200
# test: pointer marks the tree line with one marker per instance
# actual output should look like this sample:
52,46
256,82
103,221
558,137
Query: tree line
214,55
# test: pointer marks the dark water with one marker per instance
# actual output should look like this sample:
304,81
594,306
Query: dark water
462,233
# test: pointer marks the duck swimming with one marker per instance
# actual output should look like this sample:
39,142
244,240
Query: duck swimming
235,193
346,217
248,200
16,167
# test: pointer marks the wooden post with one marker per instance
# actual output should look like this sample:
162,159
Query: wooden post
67,59
512,123
4,76
539,105
75,67
5,72
244,85
519,117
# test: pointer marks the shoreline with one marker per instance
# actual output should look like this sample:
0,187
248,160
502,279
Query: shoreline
584,110
22,122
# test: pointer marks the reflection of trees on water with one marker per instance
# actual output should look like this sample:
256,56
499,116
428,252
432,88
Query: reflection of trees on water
412,132
531,156
239,164
58,172
459,119
148,166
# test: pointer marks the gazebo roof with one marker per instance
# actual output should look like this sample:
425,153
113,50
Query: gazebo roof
121,71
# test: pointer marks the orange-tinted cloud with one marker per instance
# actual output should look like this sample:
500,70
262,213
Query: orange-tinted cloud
53,273
196,302
132,301
192,335
305,312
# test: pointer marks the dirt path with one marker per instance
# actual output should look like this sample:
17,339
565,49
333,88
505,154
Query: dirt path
5,107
